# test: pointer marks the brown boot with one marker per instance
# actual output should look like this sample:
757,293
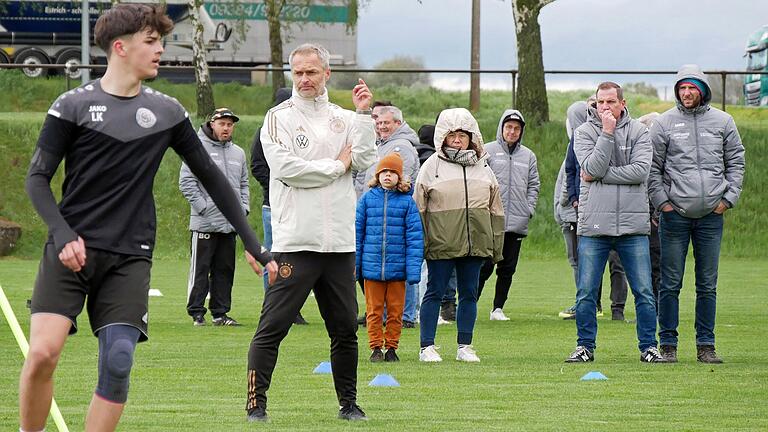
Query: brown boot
669,352
707,354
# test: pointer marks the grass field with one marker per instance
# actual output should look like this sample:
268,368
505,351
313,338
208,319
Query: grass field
193,378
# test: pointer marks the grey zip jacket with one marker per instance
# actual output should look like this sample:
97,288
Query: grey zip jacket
698,156
563,210
230,159
616,202
518,175
403,140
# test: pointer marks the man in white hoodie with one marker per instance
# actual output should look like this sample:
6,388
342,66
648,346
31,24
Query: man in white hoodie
310,146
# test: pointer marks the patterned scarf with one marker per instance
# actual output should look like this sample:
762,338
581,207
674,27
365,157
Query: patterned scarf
462,157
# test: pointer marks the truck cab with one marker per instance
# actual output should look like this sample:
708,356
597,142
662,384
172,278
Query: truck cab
756,85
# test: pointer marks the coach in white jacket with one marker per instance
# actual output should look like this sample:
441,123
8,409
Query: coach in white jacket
310,146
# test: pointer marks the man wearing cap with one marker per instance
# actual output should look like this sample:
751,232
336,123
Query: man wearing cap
212,268
696,175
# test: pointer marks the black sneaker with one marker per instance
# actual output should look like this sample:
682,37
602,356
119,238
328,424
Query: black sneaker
652,355
409,324
669,352
580,355
707,354
352,412
362,321
257,414
198,320
224,320
299,320
391,356
617,315
377,355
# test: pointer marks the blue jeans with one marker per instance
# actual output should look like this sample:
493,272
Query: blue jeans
411,301
266,222
467,276
675,232
634,254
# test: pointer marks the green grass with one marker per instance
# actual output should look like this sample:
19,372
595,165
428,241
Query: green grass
189,378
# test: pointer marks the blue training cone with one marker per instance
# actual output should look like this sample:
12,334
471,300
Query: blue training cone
594,375
323,368
384,380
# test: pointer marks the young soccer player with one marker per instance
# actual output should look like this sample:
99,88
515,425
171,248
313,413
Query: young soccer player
113,133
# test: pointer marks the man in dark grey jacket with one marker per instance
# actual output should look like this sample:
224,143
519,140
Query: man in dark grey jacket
212,267
615,157
514,166
697,173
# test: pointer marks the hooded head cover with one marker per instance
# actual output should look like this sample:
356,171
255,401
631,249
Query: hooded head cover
510,115
575,116
692,73
391,162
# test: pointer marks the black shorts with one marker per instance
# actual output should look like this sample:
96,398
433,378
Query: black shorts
114,287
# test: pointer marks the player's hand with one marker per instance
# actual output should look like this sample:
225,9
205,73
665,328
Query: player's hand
271,269
346,156
609,121
721,208
73,255
667,208
586,177
575,204
255,266
361,95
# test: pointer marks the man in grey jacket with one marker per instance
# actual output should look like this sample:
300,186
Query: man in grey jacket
514,166
212,268
615,157
697,173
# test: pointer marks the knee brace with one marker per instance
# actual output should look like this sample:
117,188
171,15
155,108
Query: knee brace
117,344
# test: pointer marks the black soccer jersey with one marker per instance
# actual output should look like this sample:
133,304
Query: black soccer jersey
112,147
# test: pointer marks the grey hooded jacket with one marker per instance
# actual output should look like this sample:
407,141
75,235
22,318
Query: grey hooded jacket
698,156
230,159
403,140
615,203
518,175
563,210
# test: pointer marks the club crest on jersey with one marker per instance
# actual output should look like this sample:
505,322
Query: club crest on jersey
285,270
97,112
145,118
337,125
302,141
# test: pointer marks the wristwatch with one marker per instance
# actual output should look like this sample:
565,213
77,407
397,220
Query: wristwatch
365,111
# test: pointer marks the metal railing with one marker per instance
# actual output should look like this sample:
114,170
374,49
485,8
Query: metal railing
512,72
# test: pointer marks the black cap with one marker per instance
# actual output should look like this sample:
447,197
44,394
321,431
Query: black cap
224,112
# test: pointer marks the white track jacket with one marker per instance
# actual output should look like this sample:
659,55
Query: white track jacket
312,196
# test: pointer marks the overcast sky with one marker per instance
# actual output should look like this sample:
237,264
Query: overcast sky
576,34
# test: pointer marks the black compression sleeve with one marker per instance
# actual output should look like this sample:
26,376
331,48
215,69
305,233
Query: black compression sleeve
218,188
38,185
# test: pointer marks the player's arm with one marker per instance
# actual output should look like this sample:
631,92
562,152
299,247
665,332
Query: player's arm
188,146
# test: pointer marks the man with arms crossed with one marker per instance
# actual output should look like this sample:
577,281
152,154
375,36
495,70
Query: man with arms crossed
113,133
310,145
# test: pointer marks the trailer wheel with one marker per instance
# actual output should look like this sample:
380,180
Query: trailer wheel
4,57
70,57
32,56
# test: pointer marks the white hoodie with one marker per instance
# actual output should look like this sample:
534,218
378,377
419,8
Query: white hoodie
312,196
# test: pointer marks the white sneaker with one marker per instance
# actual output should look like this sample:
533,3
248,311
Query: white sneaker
466,353
429,354
441,321
498,315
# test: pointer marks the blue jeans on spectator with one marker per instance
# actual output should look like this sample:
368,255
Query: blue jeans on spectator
411,300
634,254
467,276
266,222
675,232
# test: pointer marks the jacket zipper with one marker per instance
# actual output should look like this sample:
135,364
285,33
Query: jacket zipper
384,238
509,188
698,155
466,210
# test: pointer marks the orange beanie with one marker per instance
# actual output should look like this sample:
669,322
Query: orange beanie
392,162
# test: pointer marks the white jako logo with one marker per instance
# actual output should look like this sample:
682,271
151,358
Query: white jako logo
145,118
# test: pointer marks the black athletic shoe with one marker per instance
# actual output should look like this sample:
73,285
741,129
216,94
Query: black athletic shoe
299,320
257,414
198,320
391,356
352,412
617,315
652,355
224,320
580,355
377,355
707,354
409,324
669,352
